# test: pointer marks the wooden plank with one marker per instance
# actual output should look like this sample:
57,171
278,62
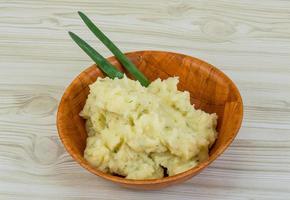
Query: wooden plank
248,40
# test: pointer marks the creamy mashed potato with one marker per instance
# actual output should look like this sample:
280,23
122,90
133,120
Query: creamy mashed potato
145,133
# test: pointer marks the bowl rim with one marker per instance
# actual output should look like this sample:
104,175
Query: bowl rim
189,173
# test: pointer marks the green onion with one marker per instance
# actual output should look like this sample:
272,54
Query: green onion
115,50
102,63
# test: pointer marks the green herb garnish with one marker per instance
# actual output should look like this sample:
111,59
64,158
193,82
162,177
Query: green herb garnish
104,65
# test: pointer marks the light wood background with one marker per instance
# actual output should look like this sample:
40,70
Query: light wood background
248,40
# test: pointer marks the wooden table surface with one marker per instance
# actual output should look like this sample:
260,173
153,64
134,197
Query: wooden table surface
248,40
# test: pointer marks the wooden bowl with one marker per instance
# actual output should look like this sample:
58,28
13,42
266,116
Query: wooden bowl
209,88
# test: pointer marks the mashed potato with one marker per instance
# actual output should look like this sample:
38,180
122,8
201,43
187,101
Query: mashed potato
145,133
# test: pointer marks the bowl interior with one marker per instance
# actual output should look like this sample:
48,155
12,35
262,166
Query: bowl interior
209,88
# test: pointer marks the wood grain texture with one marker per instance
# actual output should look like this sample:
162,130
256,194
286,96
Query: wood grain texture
248,40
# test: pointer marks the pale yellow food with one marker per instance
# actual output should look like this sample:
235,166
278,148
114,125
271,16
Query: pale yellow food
138,132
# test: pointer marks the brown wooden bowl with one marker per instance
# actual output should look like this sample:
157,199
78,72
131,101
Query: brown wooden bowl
209,88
